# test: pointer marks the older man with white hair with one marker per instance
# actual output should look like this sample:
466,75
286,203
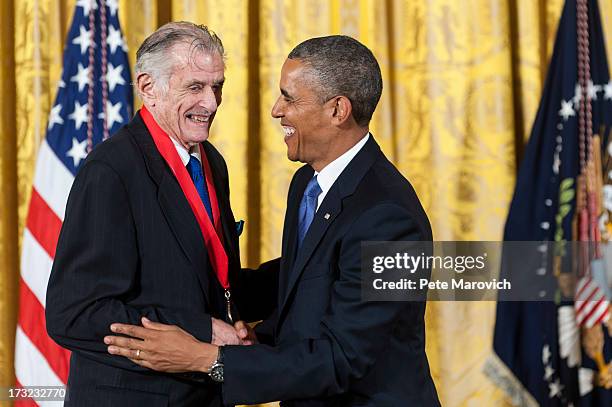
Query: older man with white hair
149,231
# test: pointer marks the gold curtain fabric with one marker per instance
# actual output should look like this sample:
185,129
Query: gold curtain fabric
462,85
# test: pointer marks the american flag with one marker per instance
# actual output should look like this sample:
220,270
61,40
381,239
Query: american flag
94,99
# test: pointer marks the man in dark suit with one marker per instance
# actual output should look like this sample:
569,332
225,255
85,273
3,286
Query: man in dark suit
324,345
149,231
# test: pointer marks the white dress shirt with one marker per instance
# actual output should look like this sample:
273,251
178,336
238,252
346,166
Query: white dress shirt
184,154
330,173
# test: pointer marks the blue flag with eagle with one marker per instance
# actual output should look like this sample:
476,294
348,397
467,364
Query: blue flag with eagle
542,354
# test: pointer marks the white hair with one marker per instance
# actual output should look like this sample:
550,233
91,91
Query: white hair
155,54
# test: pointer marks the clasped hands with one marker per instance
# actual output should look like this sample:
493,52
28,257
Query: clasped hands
169,348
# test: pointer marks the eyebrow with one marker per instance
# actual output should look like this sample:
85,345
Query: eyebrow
196,82
285,93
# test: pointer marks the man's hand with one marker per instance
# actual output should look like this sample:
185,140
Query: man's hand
245,333
165,348
224,334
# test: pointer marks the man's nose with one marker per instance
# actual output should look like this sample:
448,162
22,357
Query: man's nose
277,111
208,100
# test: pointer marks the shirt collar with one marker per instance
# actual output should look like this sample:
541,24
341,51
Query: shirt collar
330,173
184,154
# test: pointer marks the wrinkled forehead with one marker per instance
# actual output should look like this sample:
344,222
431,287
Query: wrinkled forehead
293,72
196,56
297,74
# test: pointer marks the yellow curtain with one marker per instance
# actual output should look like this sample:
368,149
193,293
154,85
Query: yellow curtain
462,85
9,259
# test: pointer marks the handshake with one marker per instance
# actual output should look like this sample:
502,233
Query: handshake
169,348
226,334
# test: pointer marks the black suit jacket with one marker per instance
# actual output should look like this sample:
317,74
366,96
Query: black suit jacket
331,348
129,247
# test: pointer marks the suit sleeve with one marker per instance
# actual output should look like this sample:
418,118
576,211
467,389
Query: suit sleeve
258,298
96,270
256,291
353,332
265,329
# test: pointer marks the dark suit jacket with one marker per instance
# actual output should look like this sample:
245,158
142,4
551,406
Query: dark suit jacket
331,348
130,246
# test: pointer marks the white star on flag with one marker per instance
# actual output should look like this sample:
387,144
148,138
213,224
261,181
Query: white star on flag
82,77
555,389
545,354
607,88
113,76
114,39
79,114
86,5
61,83
566,110
548,372
113,6
55,117
78,151
112,114
577,95
592,90
84,39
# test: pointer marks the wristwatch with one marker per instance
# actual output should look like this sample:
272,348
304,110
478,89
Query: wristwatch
216,370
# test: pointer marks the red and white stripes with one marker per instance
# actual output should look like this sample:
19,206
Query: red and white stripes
592,306
38,360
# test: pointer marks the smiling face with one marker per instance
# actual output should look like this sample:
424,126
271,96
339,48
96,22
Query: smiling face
186,110
306,121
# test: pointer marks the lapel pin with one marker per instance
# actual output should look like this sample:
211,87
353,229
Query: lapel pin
327,215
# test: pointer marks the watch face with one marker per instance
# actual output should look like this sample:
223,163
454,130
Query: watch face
217,373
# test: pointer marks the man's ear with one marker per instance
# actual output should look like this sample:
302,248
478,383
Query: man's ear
144,84
342,109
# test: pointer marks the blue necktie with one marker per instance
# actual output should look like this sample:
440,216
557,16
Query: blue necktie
199,180
308,207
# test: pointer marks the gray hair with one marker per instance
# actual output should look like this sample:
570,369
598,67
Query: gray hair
342,66
152,57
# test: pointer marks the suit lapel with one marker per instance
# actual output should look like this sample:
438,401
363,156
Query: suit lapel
226,217
329,210
172,202
290,230
228,226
